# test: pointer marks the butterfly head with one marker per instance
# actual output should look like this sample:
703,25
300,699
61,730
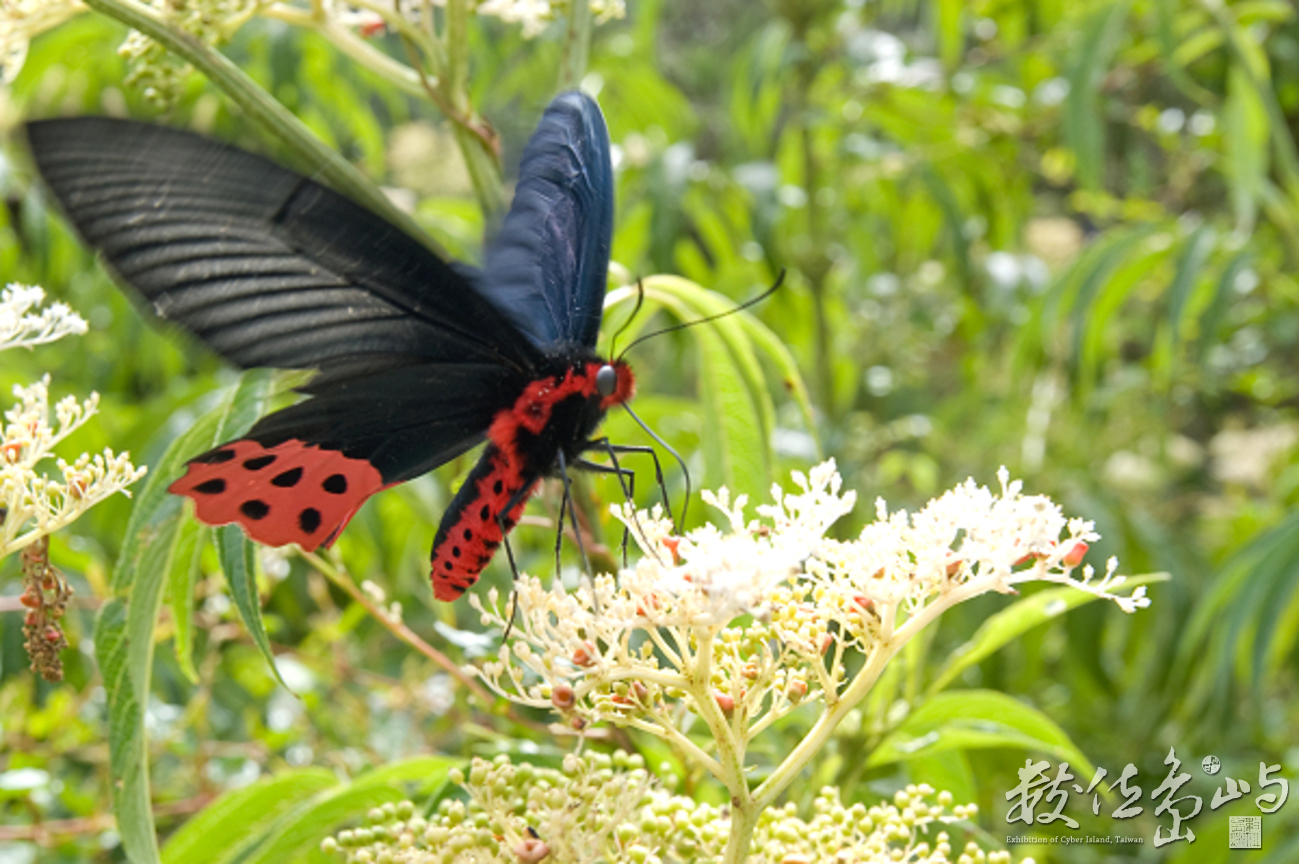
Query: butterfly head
614,383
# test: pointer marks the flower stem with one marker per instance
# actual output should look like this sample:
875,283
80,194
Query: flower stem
824,727
744,819
398,628
577,45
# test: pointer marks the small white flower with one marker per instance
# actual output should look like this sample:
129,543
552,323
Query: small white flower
20,328
31,504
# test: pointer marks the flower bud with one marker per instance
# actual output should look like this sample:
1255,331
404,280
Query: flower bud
673,544
563,697
584,654
531,850
1075,555
725,702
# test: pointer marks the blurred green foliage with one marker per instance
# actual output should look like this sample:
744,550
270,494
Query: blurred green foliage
1061,237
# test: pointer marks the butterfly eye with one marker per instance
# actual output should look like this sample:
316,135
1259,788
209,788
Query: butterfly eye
606,380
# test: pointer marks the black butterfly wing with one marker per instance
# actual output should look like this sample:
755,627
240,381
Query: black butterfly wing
271,269
264,265
548,266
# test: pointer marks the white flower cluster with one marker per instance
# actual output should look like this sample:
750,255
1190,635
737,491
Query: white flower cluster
534,15
748,622
19,328
23,20
32,505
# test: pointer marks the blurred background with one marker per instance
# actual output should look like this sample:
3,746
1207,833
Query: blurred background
1057,236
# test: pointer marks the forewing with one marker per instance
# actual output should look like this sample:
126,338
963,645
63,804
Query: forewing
265,266
548,266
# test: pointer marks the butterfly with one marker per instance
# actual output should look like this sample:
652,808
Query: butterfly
416,360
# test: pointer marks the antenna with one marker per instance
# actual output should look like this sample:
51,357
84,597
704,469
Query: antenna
684,324
640,301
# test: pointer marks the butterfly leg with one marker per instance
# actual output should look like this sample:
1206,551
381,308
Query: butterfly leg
572,512
626,479
604,445
505,524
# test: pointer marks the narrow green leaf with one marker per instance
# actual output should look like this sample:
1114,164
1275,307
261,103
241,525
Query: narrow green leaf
302,828
737,444
1097,329
229,826
739,456
1246,136
1212,317
977,719
951,32
128,759
1017,619
192,536
1190,266
786,366
1104,294
1084,121
236,556
124,629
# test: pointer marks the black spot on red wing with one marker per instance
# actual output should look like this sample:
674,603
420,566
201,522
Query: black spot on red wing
335,484
309,520
484,513
469,535
258,463
447,565
483,560
288,479
255,509
455,551
498,487
215,486
216,457
459,589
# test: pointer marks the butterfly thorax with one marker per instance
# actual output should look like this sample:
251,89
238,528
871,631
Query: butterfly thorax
559,412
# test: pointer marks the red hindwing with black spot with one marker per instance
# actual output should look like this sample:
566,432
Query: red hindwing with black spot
290,493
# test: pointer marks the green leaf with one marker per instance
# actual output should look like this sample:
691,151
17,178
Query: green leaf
1182,299
976,719
732,387
951,32
229,826
192,536
1084,121
125,626
1246,136
1017,619
1104,292
236,556
302,828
